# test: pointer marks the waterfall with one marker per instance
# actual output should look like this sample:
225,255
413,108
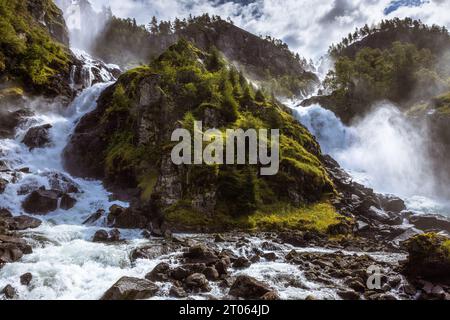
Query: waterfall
384,150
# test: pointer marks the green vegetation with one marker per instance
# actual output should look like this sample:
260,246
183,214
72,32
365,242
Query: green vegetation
398,60
198,85
28,54
280,217
128,44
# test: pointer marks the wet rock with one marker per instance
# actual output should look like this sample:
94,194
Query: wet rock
159,273
62,182
222,266
256,258
67,202
5,213
3,184
430,222
219,238
100,236
270,296
37,137
126,218
211,274
154,251
177,292
41,201
94,217
197,282
356,285
24,222
249,288
10,292
180,273
9,253
271,256
392,203
242,263
128,288
114,235
25,279
201,254
348,295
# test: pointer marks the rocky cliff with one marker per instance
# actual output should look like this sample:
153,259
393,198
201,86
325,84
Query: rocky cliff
267,61
126,142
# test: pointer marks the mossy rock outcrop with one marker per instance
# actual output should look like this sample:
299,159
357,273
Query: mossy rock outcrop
127,142
429,257
34,52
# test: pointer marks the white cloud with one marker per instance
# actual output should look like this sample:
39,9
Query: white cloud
308,26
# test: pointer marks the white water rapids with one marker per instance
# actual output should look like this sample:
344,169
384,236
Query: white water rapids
66,264
384,150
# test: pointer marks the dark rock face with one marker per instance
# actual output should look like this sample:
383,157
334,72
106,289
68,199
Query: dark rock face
52,18
41,202
197,282
94,217
392,203
37,137
100,236
128,288
249,288
24,222
430,222
201,254
12,249
159,273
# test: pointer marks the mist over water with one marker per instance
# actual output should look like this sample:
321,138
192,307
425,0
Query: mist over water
384,150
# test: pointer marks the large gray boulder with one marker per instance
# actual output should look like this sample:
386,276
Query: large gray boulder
128,288
37,137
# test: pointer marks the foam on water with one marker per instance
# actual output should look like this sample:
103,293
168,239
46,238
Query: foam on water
384,150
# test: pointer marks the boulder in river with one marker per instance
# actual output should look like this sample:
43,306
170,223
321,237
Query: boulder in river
41,201
24,222
3,185
26,278
37,137
197,282
10,292
67,202
9,120
201,254
128,288
392,203
249,288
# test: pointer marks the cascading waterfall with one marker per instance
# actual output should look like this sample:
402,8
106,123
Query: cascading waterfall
384,150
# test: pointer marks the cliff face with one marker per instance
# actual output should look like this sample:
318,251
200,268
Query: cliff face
33,47
278,69
126,141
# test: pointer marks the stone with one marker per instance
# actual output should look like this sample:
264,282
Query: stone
67,202
430,222
177,292
10,252
37,137
114,235
197,282
392,203
201,254
348,295
5,213
211,273
219,238
3,184
159,273
356,285
41,202
242,263
271,256
270,296
10,292
94,217
101,236
128,288
24,222
248,288
26,278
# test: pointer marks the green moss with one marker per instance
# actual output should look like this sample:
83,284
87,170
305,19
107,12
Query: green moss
279,216
147,182
29,54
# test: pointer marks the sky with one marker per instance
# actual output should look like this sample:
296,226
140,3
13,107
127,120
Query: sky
307,26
